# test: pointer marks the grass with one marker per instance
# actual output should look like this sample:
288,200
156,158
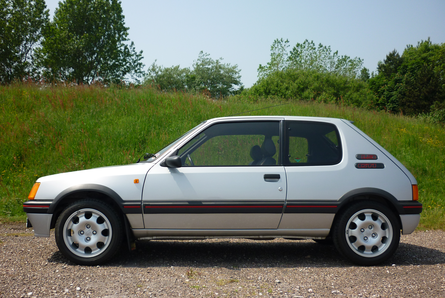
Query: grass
192,273
47,130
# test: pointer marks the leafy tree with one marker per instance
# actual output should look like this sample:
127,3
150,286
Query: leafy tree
390,65
388,92
308,56
220,79
421,89
424,69
87,41
278,58
168,78
311,72
207,75
413,82
364,74
21,25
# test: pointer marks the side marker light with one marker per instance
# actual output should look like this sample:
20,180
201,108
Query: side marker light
34,189
415,192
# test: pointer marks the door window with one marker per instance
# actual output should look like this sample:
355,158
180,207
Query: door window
234,144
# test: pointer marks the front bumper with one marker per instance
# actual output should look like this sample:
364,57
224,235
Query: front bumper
39,217
41,223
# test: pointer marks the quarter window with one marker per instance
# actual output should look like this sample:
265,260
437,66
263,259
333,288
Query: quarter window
312,143
298,150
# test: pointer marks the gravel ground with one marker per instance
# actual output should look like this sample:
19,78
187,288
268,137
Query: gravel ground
33,267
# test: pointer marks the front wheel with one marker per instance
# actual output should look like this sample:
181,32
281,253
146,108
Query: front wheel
89,232
367,233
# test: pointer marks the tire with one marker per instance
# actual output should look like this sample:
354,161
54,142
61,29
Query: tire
367,233
89,232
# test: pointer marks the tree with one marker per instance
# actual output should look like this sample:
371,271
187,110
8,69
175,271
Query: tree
422,89
308,56
390,65
220,79
21,25
413,82
278,58
168,78
87,41
210,76
364,74
424,70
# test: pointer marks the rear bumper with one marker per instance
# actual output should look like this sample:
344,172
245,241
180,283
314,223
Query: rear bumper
409,222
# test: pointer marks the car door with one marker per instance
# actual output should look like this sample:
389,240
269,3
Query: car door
314,173
230,178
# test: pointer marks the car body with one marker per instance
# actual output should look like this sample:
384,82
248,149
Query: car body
251,177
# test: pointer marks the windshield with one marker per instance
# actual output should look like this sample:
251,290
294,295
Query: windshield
165,149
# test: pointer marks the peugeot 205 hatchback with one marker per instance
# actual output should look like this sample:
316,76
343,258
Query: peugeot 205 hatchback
252,177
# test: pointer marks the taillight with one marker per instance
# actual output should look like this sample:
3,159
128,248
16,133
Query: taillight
415,192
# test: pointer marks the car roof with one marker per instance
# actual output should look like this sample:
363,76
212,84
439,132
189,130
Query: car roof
294,118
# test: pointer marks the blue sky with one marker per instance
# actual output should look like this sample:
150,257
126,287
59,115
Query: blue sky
173,32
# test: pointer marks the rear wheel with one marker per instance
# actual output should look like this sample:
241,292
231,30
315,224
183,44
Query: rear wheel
89,232
367,233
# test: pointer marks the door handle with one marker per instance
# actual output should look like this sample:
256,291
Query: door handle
271,177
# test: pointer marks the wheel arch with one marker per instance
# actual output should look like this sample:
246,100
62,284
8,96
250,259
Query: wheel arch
74,193
368,194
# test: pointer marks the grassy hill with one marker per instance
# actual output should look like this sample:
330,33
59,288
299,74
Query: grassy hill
46,130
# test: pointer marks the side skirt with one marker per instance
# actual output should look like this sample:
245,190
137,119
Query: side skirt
151,234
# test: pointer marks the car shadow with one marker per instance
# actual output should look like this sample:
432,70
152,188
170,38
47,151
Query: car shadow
235,255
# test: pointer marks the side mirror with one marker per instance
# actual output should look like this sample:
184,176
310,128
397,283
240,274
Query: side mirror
172,162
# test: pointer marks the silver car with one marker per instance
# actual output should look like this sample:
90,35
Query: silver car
248,177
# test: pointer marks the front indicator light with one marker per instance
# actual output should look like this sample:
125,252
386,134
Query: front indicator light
415,192
33,191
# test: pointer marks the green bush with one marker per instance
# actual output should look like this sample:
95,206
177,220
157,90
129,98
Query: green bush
437,114
312,85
